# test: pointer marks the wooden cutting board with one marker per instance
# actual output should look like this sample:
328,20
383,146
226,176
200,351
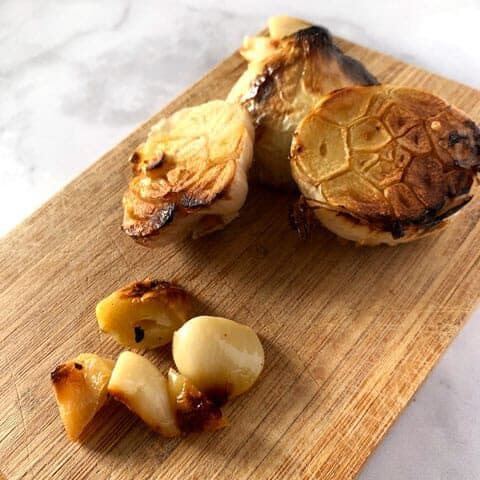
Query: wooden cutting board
350,333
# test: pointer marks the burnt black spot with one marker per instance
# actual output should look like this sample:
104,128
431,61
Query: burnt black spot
189,201
315,36
298,148
78,366
134,158
158,162
148,228
139,334
218,395
59,374
319,38
431,222
138,289
301,218
455,137
163,216
397,230
355,70
261,89
471,125
196,412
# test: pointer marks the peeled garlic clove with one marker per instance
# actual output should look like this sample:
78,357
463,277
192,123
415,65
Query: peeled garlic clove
194,411
221,357
139,384
144,314
80,387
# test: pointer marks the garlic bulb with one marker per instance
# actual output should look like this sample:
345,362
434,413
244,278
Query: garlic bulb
221,357
140,385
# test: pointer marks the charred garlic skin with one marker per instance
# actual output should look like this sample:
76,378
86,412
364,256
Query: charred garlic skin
285,78
80,387
144,314
222,358
385,164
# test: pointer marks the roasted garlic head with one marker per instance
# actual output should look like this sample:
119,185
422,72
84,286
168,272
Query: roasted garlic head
385,164
144,314
288,72
190,175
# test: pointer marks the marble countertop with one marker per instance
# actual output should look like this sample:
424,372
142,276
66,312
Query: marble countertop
76,76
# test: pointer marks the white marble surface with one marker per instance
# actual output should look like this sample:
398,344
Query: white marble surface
77,75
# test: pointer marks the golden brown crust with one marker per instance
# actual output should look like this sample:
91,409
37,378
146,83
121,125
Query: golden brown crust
308,56
150,289
65,373
187,169
197,412
407,158
154,206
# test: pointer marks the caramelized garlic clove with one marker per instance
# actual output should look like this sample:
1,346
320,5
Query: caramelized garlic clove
195,412
80,387
221,357
139,384
144,314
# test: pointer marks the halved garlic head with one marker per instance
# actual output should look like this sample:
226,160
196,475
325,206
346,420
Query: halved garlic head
144,314
139,384
385,164
195,412
221,357
80,387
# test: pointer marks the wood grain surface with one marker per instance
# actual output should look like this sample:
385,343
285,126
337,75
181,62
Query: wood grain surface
350,333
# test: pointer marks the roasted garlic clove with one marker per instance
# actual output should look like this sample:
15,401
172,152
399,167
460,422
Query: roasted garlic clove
144,314
195,412
221,357
139,384
80,387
